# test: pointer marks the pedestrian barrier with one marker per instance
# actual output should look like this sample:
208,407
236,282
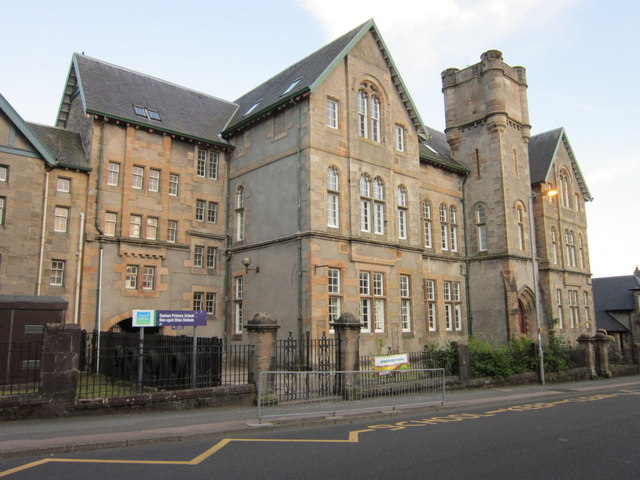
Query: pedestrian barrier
282,394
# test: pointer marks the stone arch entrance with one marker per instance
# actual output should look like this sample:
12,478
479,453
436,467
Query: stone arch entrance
122,322
527,313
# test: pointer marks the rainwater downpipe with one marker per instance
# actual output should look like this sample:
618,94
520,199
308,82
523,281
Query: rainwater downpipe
101,251
467,265
43,232
228,256
299,241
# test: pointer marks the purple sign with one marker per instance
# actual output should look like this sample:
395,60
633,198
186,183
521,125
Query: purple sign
181,318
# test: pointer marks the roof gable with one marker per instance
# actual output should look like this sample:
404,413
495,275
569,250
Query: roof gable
543,149
65,144
119,93
307,75
28,133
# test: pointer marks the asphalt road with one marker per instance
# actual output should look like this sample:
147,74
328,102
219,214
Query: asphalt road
595,436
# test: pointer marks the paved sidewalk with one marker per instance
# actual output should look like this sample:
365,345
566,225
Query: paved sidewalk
40,437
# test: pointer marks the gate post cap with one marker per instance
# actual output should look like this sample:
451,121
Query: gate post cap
262,320
347,320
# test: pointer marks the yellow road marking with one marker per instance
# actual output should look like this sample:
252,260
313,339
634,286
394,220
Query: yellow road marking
353,437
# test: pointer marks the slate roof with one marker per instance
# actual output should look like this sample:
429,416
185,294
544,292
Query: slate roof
435,149
613,294
310,72
113,91
64,144
542,152
27,131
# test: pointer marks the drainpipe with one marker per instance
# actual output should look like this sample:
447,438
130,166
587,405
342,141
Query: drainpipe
467,263
43,232
228,255
299,193
101,251
78,270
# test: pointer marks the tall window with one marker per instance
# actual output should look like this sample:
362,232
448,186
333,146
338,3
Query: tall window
57,273
212,257
131,278
210,303
135,226
430,292
581,258
426,219
585,303
378,302
212,212
369,113
198,298
520,219
148,278
334,289
481,228
238,307
240,214
574,311
554,246
174,183
154,180
207,164
61,220
151,232
565,192
198,256
201,206
378,206
3,208
110,223
444,227
372,301
172,231
332,113
137,180
570,247
560,312
405,302
333,198
453,228
4,173
365,204
401,198
399,138
365,301
113,174
448,305
457,306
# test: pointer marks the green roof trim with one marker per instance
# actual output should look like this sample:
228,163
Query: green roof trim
29,134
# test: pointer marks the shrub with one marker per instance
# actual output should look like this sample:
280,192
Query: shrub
517,356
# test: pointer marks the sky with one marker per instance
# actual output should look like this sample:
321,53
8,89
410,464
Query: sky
581,57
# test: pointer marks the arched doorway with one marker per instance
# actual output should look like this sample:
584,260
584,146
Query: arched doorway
527,313
522,318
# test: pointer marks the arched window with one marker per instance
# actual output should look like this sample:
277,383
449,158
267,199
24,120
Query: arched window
240,213
365,204
401,200
565,192
481,228
581,256
369,112
570,248
520,218
333,197
554,246
378,206
444,227
426,219
453,228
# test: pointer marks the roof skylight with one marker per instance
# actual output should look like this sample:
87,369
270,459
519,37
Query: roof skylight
253,107
148,113
292,86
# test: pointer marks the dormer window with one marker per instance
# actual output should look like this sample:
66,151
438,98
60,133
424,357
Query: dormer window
148,113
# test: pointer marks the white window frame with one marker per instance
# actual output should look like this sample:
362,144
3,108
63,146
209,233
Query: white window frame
481,228
201,208
151,231
148,277
110,224
61,219
238,305
63,184
210,303
131,277
400,140
402,212
212,212
212,257
135,226
332,113
198,301
113,174
333,197
405,302
174,184
172,231
378,206
154,180
560,309
57,275
198,256
137,177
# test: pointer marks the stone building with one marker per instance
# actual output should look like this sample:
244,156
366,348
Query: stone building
322,191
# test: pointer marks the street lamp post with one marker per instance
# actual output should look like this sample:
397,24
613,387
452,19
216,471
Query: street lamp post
536,286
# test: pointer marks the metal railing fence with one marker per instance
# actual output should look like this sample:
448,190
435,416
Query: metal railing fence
306,353
121,365
293,393
20,367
